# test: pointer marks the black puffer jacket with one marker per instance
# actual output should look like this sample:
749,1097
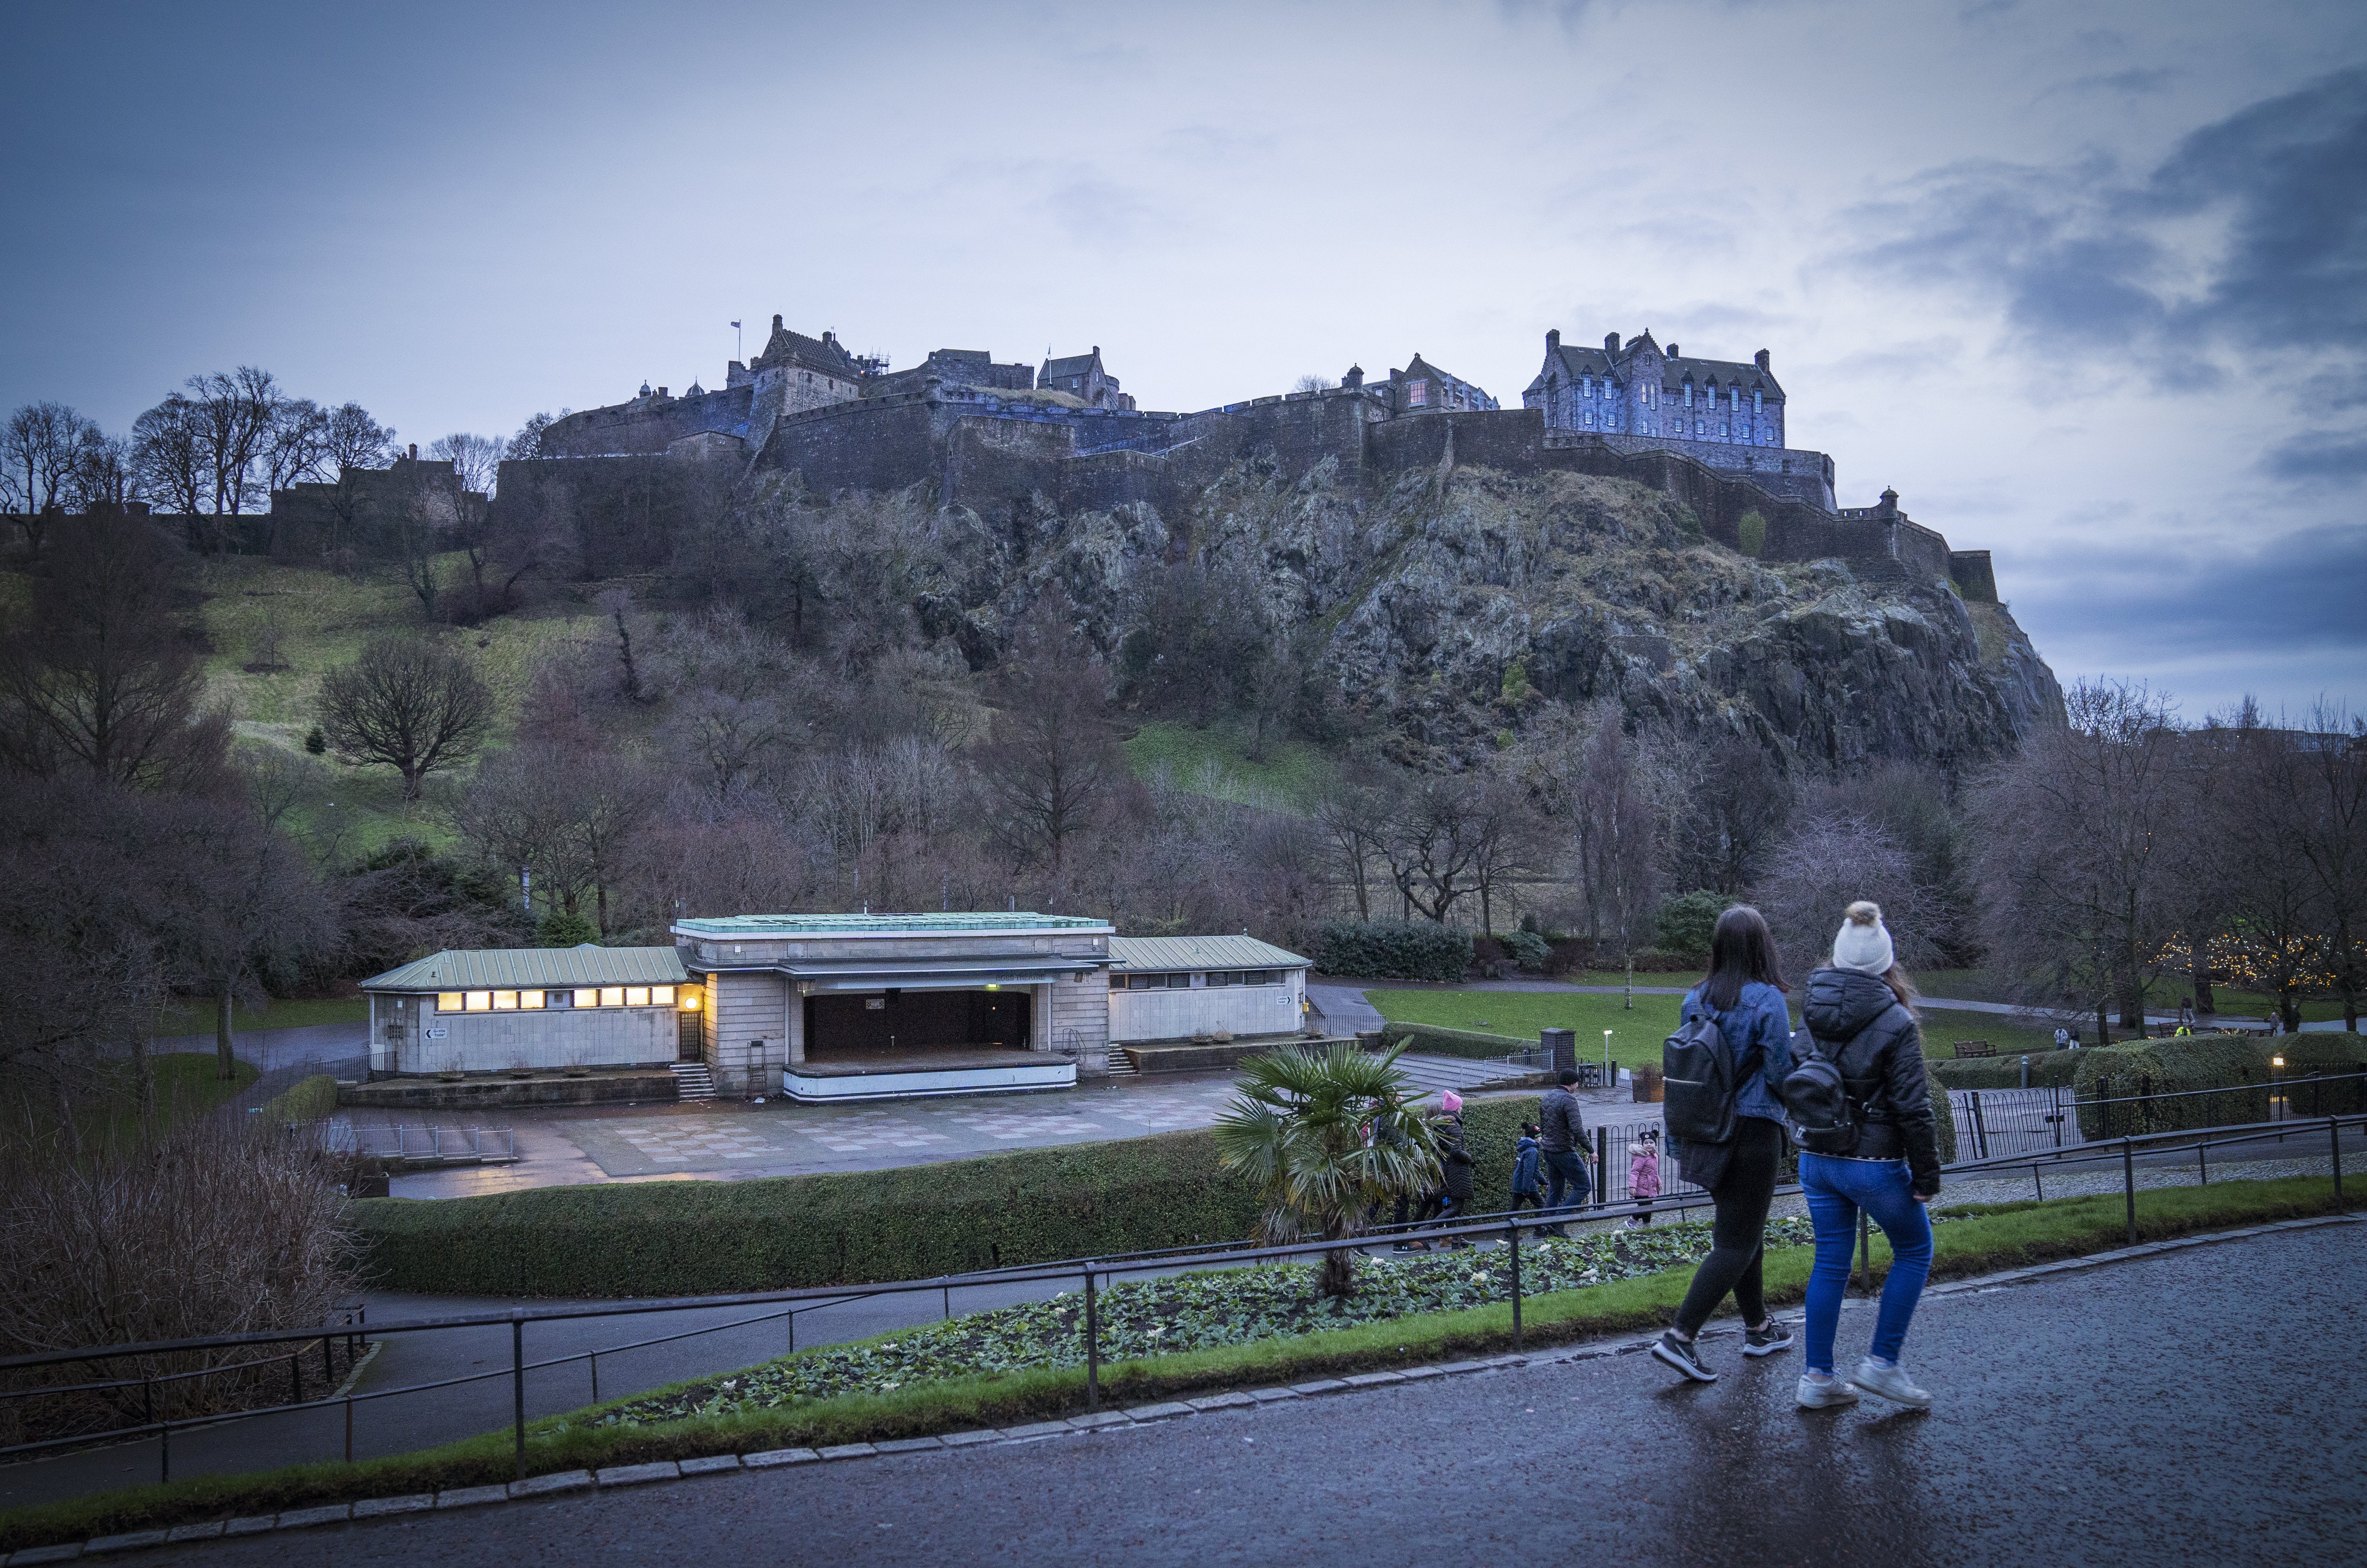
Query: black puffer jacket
1453,1158
1858,1022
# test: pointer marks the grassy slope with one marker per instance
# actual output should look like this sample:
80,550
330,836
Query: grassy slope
1637,1035
1215,762
197,1017
1999,1237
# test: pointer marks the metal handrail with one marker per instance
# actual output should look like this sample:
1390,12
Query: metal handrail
1508,1225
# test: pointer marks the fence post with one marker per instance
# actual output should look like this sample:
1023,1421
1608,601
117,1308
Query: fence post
295,1377
2056,1091
1601,1166
328,1365
164,1449
595,1375
793,1331
2129,1181
1092,1347
517,1383
1980,1125
2103,1107
2334,1147
349,1428
1513,1241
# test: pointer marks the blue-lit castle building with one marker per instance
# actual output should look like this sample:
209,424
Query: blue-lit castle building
1636,396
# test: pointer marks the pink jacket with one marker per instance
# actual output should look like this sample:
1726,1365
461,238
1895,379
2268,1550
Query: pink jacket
1644,1172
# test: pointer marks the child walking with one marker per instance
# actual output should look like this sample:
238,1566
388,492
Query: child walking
1644,1176
1528,1184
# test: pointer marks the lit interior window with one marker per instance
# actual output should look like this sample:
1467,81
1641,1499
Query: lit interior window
530,1001
506,1001
447,1001
661,996
480,1002
587,998
612,995
636,996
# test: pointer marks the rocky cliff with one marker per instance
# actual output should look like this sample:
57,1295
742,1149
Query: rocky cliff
1420,599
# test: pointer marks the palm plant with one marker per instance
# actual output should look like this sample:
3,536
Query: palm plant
1326,1134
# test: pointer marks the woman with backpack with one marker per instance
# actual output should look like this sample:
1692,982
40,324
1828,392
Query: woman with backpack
1883,1158
1742,997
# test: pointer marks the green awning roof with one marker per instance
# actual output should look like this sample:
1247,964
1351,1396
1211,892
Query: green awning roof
1199,952
550,968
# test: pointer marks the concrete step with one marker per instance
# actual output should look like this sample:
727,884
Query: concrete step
1120,1064
694,1081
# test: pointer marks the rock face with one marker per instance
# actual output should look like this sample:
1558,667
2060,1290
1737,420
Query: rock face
1421,598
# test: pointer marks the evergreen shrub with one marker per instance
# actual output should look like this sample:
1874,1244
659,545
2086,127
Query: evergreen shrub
1531,951
1684,923
1394,950
2180,1065
2048,1069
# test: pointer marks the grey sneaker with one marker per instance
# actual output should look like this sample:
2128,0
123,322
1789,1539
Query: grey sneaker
1823,1394
1890,1383
1767,1340
1671,1351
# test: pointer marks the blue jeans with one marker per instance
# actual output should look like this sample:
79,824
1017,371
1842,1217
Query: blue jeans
1564,1170
1836,1190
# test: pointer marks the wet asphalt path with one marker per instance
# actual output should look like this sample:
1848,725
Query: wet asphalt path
2200,1407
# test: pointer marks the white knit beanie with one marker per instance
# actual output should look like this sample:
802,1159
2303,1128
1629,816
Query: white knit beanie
1864,944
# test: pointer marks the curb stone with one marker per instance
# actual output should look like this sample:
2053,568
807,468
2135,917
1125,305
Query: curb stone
581,1480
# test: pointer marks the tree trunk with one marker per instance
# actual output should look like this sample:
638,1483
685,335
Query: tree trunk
2103,1023
2199,971
225,1059
143,1078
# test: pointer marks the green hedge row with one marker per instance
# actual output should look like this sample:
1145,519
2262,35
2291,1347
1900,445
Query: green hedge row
1394,950
784,1233
1434,1040
2233,1066
2048,1069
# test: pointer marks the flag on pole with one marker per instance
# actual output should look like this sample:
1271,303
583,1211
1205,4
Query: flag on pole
735,323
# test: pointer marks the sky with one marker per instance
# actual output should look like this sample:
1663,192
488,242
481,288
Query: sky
2086,283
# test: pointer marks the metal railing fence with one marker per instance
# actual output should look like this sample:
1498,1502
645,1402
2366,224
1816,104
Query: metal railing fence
1092,1273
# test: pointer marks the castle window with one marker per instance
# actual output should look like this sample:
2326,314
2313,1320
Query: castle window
1721,429
1757,402
1417,393
1689,394
1590,416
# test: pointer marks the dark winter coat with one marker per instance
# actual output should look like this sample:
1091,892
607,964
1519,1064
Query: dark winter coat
1453,1158
1524,1166
1561,1129
1857,1022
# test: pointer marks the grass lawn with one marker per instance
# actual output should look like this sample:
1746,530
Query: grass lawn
1637,1036
197,1018
186,1085
1215,762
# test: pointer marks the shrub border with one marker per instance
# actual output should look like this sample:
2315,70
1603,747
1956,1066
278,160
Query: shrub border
559,1448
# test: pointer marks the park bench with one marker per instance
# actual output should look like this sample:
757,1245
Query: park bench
1966,1048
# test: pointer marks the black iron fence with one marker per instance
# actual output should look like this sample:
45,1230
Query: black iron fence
1091,1274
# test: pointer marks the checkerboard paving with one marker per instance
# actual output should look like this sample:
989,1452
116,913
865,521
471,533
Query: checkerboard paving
680,1142
1024,1123
871,1132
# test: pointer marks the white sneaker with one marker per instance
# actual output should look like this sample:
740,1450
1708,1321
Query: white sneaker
1816,1394
1890,1383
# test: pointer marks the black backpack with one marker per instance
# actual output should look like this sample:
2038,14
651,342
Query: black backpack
1823,1121
1699,1078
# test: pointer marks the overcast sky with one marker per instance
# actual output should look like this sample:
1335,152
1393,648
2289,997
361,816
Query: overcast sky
2087,283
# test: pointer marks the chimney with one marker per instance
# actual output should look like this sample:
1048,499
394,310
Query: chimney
1610,343
662,391
414,451
1553,341
1760,359
1672,351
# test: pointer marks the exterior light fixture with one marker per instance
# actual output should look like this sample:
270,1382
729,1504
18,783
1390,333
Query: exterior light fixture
2276,1061
689,1000
991,986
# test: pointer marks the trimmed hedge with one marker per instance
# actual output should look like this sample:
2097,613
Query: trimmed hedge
2048,1069
2176,1065
307,1100
1436,1040
1394,950
784,1233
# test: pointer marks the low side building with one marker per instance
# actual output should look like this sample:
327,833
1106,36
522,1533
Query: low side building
1189,988
498,1009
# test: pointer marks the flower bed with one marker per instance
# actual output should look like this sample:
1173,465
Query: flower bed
1187,1311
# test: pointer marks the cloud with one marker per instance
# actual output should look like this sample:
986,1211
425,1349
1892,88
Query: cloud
2251,236
2318,456
2298,593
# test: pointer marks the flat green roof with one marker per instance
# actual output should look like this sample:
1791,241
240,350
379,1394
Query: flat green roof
1129,953
745,926
510,968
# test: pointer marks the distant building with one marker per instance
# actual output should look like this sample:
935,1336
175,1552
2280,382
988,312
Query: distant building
1422,387
1638,396
1082,377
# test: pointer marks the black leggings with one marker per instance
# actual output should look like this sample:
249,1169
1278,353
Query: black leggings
1741,1195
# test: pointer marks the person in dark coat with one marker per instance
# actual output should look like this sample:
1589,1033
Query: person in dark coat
1561,1147
1527,1186
1744,993
1454,1194
1857,1013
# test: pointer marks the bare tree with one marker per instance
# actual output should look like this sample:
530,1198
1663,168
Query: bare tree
1354,815
247,905
409,705
350,438
100,673
2076,862
37,449
1432,839
105,472
1050,763
168,450
1612,835
2331,811
1828,861
476,459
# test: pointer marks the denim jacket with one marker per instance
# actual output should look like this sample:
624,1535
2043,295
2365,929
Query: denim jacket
1758,1018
